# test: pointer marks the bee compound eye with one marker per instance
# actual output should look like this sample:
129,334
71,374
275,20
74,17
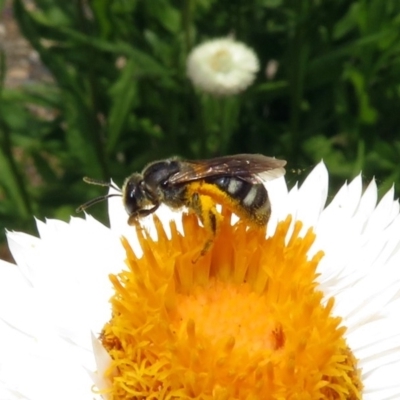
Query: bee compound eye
131,205
133,197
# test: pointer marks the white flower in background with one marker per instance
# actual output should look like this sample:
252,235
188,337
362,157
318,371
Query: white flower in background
222,67
59,294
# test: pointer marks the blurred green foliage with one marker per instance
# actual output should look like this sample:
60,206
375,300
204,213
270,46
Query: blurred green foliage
121,97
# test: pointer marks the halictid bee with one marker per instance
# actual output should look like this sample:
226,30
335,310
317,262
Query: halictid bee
234,181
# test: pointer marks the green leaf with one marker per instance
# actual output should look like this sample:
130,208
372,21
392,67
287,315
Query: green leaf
165,14
348,49
367,114
274,89
124,97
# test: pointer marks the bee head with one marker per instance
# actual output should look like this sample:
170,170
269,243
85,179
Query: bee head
136,195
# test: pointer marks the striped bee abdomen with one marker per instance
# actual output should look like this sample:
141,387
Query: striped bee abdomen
250,198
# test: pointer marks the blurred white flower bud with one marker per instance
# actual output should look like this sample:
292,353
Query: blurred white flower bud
222,67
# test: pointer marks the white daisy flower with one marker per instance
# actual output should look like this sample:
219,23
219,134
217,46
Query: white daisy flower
310,311
222,66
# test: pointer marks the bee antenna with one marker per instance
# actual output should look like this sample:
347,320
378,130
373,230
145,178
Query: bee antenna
92,181
95,201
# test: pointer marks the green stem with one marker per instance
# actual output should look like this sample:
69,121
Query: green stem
187,12
227,121
298,58
360,158
202,125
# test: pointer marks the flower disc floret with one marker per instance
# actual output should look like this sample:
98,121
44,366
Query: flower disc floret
244,321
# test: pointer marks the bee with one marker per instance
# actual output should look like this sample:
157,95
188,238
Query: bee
234,181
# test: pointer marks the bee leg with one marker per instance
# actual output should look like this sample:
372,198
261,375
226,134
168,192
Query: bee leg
134,218
204,207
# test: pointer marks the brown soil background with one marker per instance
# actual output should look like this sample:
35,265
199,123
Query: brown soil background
23,64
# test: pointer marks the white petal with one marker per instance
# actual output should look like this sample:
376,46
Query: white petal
103,362
312,196
51,305
278,196
361,270
383,213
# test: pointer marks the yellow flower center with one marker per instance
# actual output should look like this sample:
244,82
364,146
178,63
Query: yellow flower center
221,61
246,321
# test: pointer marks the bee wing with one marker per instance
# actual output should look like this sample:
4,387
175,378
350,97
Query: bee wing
271,174
249,167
